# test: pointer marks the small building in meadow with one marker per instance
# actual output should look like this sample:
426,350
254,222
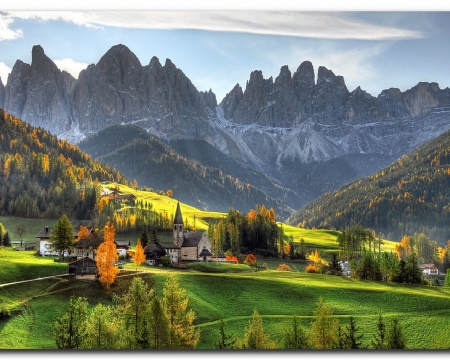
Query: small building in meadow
122,247
84,269
45,245
429,269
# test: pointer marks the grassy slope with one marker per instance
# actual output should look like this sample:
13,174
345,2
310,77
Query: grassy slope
423,310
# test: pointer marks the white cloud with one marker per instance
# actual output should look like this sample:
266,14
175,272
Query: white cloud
6,32
4,71
290,23
71,66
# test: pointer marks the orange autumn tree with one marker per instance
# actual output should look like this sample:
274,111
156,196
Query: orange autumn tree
83,233
107,257
250,260
139,256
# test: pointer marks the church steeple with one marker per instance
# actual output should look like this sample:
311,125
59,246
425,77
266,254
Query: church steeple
178,227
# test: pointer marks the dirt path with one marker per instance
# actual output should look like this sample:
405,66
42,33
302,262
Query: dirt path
40,278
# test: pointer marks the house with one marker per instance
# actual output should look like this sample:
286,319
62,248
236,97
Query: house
429,269
87,247
194,245
130,198
45,247
153,253
84,268
122,247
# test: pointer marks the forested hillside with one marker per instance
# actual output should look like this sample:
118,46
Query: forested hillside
43,177
157,166
411,195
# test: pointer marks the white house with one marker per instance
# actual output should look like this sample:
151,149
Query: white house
429,269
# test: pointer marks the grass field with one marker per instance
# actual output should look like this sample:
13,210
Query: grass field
423,310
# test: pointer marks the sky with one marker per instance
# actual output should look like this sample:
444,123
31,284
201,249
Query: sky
376,46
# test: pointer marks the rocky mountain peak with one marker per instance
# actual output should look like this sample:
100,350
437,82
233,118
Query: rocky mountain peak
231,101
2,94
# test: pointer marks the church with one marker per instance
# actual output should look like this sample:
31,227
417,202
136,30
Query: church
193,245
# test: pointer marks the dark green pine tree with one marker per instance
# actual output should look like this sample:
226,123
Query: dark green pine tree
351,339
226,341
6,239
395,338
295,337
379,338
144,238
447,279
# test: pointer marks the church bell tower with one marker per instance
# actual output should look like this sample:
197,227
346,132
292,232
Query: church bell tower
178,227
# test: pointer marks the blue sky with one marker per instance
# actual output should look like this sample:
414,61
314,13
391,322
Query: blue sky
220,46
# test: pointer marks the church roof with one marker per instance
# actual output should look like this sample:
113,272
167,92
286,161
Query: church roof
178,218
191,239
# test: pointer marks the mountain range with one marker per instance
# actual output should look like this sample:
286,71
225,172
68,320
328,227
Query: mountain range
310,135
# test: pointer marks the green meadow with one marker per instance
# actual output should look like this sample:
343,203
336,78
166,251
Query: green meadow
424,311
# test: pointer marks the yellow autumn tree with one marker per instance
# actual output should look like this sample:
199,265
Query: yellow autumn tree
107,257
139,256
83,233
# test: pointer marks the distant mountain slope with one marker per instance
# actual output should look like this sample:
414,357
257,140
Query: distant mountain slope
43,177
154,164
411,195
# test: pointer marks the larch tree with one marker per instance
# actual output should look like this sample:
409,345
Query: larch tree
159,325
103,329
134,306
139,256
323,328
183,334
107,257
70,329
62,236
254,336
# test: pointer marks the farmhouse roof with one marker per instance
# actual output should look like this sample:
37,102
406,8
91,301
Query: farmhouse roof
46,232
428,266
169,245
89,242
122,242
154,248
191,239
178,218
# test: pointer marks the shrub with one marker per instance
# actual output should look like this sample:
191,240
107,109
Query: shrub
250,260
4,313
313,269
284,267
263,267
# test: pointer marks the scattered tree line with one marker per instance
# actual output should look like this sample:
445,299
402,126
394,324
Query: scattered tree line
137,320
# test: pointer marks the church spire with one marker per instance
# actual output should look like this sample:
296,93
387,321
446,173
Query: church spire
178,218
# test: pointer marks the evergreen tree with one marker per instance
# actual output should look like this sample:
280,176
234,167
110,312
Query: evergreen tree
295,337
103,329
254,336
323,328
62,238
6,239
144,238
447,278
70,329
351,339
183,334
226,341
379,338
159,325
412,270
395,338
134,307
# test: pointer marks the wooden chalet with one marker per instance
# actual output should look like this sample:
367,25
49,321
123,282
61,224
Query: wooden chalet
84,269
153,253
87,247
